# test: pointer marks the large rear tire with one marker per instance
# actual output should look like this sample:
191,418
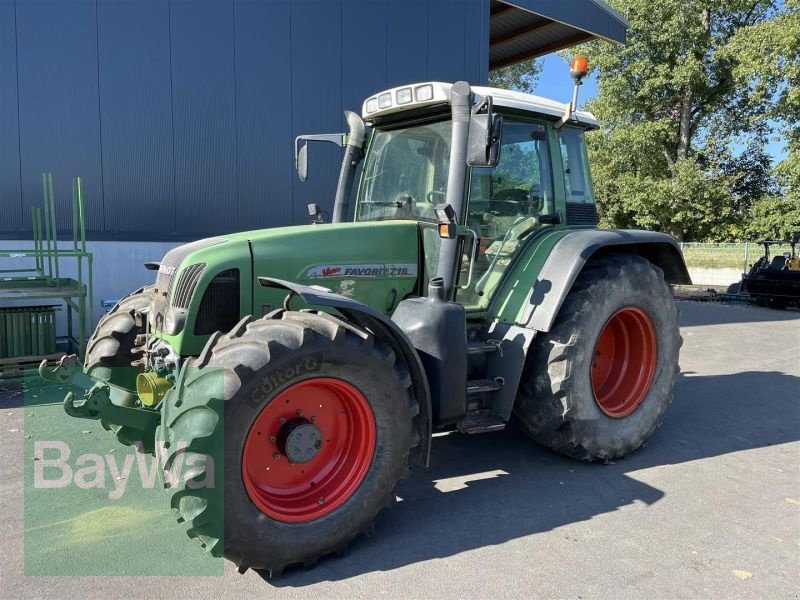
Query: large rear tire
597,384
317,431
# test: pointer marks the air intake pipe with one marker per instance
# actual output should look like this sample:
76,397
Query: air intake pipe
460,107
353,154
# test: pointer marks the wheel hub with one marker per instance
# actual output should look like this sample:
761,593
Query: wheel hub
624,362
308,450
300,440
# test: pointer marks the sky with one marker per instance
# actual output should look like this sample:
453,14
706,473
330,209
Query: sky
556,84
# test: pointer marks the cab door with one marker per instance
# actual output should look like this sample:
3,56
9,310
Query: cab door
506,206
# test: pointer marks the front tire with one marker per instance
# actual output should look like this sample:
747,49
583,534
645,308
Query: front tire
301,387
597,384
109,354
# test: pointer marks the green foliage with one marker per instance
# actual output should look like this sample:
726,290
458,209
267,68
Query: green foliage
521,77
774,219
687,108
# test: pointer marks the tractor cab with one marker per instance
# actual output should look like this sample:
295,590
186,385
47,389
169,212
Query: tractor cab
528,172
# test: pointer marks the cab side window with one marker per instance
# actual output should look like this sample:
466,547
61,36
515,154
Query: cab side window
505,203
576,166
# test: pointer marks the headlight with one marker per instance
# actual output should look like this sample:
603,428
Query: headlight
174,320
372,105
385,100
424,93
404,96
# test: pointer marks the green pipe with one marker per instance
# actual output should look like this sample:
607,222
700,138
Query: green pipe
81,215
47,227
53,217
75,214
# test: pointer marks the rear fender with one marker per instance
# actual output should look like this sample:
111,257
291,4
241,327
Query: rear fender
571,253
381,326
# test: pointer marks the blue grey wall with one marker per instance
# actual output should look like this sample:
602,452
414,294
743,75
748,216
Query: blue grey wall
180,114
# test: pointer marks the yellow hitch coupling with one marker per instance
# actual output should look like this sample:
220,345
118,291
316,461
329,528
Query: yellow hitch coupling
152,388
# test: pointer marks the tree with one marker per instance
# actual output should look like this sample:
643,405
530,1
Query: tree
522,76
774,218
768,61
673,111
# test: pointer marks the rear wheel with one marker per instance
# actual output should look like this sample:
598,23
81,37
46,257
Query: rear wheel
595,386
312,419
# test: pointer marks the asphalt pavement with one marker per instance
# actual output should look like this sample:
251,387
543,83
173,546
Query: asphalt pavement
710,508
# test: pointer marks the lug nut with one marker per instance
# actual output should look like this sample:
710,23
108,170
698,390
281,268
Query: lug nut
282,420
313,419
299,412
276,456
320,500
273,439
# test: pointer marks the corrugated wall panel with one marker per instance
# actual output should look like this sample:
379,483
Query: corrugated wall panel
446,44
180,115
316,96
59,106
136,116
363,51
476,41
407,41
204,113
10,195
263,105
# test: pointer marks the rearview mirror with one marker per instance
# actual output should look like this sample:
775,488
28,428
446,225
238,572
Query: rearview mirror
483,147
301,149
302,162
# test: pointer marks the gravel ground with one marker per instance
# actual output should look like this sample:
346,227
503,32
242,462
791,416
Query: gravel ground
710,508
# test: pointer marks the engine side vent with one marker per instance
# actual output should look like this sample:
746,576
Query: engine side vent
581,213
220,306
182,292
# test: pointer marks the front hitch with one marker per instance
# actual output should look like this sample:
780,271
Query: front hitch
97,398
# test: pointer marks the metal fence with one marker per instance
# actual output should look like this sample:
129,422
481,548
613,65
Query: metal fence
719,264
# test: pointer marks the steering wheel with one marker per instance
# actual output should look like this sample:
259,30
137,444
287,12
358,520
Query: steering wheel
430,195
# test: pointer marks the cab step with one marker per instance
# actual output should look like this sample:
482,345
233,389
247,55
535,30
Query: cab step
476,348
479,386
481,421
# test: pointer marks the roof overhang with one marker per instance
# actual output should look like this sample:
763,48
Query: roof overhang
524,29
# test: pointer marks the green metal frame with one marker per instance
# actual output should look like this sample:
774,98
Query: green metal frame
43,280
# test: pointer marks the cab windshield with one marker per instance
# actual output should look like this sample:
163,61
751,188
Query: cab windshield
405,175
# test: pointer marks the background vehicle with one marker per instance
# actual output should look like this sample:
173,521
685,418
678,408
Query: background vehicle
775,281
303,369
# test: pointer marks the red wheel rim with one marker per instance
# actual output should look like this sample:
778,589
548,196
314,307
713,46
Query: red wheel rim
309,450
624,364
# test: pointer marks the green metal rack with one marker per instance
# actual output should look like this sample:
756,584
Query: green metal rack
43,281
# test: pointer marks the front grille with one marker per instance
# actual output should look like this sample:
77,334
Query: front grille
182,292
173,259
169,267
581,213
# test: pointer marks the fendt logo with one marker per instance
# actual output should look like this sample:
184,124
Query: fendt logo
369,270
166,270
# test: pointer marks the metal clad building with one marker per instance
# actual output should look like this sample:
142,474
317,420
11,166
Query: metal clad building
180,114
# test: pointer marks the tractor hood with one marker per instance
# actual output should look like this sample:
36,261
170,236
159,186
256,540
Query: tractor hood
210,284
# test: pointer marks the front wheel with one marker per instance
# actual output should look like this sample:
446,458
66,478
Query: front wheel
317,421
596,386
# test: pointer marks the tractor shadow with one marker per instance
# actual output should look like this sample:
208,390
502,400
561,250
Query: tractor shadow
488,489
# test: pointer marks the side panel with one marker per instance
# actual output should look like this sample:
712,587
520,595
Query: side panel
375,263
553,264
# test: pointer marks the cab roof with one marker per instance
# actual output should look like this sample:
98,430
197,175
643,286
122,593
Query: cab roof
436,92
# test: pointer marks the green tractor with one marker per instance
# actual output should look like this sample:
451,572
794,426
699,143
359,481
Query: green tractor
292,376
